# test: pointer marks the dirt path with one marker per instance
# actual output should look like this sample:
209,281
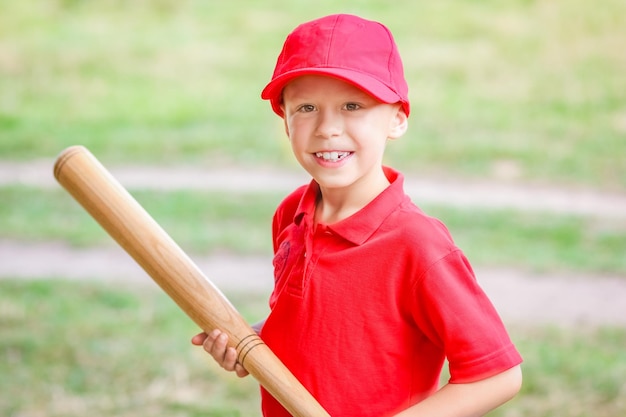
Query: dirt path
520,297
425,190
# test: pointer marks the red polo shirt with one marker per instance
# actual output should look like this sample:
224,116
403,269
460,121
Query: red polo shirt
365,310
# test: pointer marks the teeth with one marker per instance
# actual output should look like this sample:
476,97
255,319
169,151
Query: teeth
333,156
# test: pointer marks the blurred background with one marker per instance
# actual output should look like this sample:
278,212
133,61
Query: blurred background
517,141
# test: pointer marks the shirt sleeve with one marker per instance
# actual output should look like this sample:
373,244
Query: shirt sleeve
455,314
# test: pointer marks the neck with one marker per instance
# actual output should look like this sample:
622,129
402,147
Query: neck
336,204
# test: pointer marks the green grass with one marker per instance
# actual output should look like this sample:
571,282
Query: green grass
71,349
538,241
200,221
205,222
535,85
571,373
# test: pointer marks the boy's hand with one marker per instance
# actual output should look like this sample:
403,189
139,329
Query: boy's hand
215,344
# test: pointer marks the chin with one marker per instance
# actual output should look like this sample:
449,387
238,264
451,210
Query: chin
329,182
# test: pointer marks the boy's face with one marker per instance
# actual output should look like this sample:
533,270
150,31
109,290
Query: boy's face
338,132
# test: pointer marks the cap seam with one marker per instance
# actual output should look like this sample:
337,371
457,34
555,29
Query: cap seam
331,40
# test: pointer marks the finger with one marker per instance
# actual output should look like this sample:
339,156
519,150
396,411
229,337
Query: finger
230,359
240,370
210,340
215,345
199,339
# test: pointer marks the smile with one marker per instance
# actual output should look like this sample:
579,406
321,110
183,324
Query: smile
333,156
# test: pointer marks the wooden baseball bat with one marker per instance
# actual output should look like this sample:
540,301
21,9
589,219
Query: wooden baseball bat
108,202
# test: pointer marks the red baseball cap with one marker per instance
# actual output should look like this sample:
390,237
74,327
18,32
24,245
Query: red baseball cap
361,52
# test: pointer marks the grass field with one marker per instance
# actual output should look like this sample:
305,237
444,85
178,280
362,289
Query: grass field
536,86
530,91
73,349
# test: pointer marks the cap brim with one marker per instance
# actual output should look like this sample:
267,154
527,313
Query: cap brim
372,86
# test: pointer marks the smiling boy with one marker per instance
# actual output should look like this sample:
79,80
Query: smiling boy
371,295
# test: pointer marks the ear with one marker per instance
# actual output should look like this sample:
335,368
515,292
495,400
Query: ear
399,123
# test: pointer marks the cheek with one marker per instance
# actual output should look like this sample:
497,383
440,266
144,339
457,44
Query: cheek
295,139
295,132
369,133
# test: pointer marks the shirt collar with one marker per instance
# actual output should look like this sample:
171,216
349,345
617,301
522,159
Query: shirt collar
362,224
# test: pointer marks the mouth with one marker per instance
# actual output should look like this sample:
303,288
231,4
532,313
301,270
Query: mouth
333,156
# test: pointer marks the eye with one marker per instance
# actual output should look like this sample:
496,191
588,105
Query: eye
351,106
306,108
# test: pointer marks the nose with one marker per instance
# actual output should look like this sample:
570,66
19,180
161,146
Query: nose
330,124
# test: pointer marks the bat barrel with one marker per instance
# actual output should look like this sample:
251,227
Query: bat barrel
108,202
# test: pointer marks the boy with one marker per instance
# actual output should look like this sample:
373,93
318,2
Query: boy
371,295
